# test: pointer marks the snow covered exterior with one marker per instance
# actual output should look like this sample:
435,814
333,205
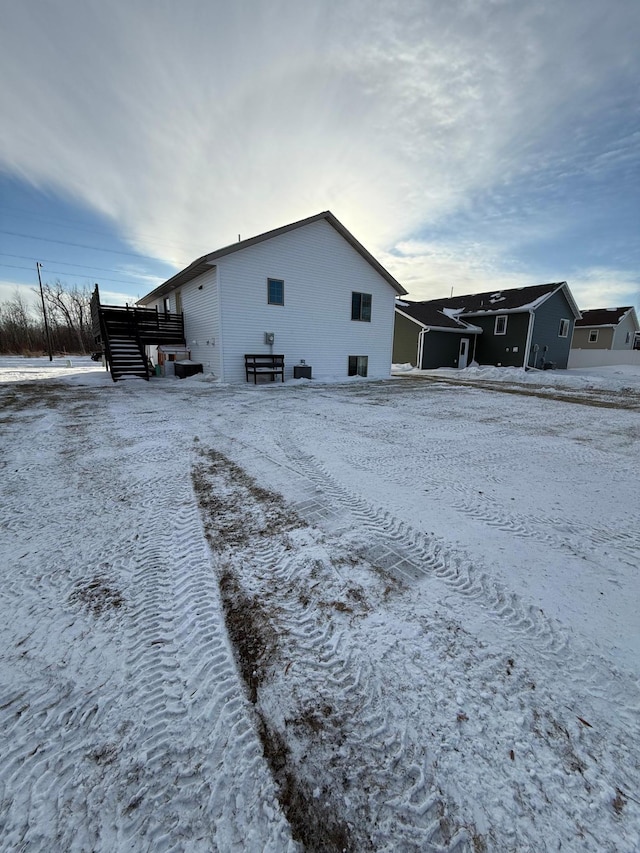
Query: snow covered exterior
606,329
310,285
522,327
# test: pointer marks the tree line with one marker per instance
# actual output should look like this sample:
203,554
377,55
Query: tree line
22,326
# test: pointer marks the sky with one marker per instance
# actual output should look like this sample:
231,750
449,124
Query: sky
469,145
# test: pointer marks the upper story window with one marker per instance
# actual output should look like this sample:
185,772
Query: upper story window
593,335
275,291
563,331
166,304
501,325
361,306
627,339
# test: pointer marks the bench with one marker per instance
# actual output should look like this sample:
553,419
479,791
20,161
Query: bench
264,364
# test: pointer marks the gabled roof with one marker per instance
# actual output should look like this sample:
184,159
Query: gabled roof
502,301
430,316
603,316
205,263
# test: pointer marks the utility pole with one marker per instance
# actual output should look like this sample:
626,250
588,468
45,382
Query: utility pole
44,312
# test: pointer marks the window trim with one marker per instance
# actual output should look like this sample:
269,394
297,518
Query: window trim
593,332
504,317
271,280
359,362
358,306
564,324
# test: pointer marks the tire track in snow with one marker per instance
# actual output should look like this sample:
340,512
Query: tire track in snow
563,535
190,701
402,550
172,759
339,696
409,554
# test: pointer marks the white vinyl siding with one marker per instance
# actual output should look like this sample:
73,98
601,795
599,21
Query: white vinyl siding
201,308
321,271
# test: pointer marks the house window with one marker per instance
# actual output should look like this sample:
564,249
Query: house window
563,332
361,307
358,365
628,338
167,304
593,336
501,325
275,291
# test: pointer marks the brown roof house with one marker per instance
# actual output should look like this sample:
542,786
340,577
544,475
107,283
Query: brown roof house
527,327
606,328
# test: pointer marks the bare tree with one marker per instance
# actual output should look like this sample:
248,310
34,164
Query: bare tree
69,308
22,328
19,329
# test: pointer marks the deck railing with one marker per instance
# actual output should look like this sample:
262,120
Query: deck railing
148,325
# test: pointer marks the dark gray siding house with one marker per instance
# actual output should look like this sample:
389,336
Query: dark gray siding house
553,323
521,327
428,338
504,349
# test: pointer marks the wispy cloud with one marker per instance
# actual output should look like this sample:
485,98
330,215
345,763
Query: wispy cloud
599,287
194,122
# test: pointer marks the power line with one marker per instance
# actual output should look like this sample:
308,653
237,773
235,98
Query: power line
92,248
56,261
60,222
75,274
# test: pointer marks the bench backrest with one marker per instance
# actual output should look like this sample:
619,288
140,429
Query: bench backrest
263,360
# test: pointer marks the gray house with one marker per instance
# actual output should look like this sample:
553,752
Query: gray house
606,328
520,327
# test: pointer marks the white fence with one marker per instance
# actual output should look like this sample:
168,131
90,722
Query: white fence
603,357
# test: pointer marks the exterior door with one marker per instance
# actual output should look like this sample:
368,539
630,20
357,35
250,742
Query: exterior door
464,353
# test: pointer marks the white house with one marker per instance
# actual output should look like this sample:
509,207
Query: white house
310,285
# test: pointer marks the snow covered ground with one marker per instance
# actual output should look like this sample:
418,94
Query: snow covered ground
395,616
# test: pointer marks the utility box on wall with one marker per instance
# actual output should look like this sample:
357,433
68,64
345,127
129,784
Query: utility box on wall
269,337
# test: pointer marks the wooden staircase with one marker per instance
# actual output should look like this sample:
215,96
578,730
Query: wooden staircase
122,334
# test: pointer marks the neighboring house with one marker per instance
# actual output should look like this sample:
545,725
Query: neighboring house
432,336
308,290
606,328
520,327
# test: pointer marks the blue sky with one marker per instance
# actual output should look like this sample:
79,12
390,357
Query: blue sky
473,144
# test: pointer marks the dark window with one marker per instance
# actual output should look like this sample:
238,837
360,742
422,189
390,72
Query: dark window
358,365
501,325
593,336
563,332
361,306
167,304
275,291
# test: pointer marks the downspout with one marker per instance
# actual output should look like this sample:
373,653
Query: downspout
421,335
525,360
